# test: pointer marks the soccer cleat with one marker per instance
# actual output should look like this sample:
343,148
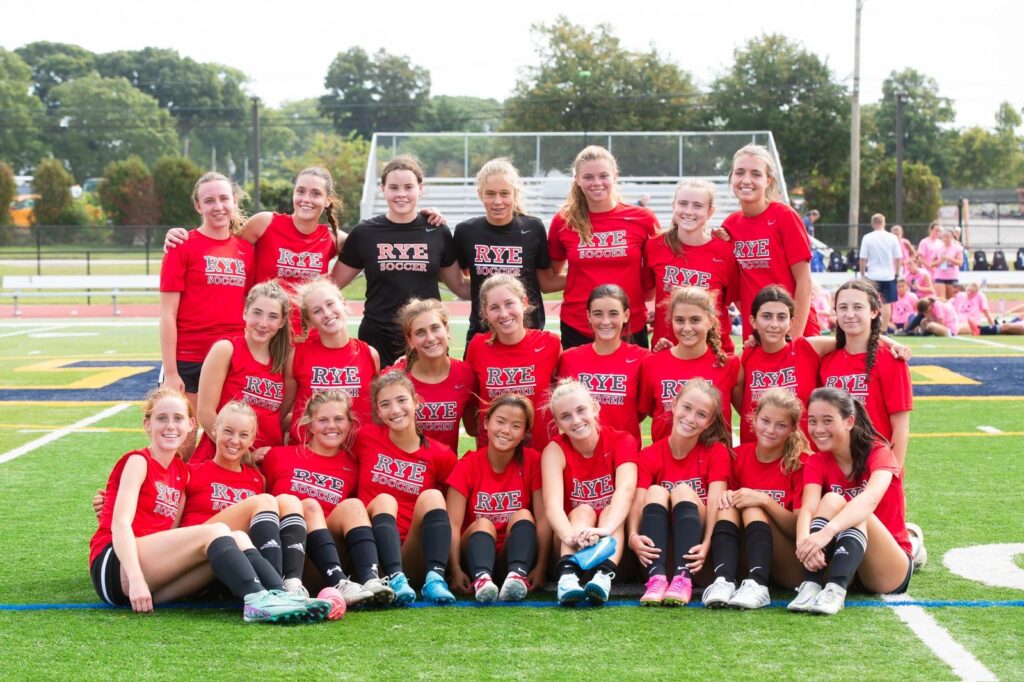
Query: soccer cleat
485,589
829,601
679,591
404,594
514,588
654,591
751,595
272,607
294,587
805,596
436,589
569,590
599,587
333,596
918,552
718,593
317,610
354,593
383,595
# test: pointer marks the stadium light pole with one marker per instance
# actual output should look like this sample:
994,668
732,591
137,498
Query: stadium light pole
901,98
585,76
853,217
256,154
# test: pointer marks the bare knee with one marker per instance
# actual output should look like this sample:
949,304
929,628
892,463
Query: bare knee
430,500
657,494
482,526
312,511
684,493
383,504
242,540
521,515
830,505
288,504
752,515
583,516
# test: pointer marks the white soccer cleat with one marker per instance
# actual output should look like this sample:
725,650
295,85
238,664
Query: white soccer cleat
718,594
751,595
829,601
918,552
805,596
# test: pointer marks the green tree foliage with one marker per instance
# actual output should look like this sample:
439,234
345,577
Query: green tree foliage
104,119
53,185
926,119
922,191
775,84
7,190
289,129
127,194
55,63
173,180
20,113
345,158
367,94
445,113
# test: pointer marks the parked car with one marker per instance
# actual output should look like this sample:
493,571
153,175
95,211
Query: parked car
21,209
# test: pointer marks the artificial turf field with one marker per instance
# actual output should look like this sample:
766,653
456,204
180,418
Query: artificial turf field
964,476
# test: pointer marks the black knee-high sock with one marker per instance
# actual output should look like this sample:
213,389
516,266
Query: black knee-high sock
232,567
725,545
566,566
479,553
606,566
437,540
654,524
293,545
389,543
817,523
685,532
362,548
265,533
264,571
759,551
850,547
521,547
324,555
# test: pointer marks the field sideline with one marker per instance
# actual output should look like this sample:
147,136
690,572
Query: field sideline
68,409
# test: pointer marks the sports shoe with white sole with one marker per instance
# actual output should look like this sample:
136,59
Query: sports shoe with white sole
382,593
294,587
829,601
599,587
569,590
514,588
272,607
717,594
485,589
805,596
918,552
750,595
354,593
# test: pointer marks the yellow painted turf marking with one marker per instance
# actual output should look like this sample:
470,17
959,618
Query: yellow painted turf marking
99,377
934,375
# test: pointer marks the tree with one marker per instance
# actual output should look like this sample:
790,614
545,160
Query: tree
345,158
365,95
53,185
926,115
128,197
173,180
1008,119
20,113
775,84
445,113
98,120
7,190
55,63
922,192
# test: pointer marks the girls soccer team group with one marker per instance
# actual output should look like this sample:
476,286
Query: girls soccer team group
316,465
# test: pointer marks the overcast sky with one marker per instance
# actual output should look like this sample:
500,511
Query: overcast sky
476,48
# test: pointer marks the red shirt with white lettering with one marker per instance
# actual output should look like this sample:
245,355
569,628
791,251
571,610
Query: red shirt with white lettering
525,368
886,392
614,254
699,468
386,468
495,496
823,470
766,246
443,404
158,502
793,367
316,367
767,477
591,480
211,489
663,375
711,266
253,383
213,276
297,470
613,380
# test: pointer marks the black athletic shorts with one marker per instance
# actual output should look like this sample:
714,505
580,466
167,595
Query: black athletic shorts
189,373
106,577
887,290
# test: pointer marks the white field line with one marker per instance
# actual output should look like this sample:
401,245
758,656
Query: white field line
33,330
965,666
87,322
60,433
986,342
989,429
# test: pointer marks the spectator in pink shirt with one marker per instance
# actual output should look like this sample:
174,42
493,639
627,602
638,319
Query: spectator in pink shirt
918,278
972,308
946,262
938,317
905,305
928,245
906,248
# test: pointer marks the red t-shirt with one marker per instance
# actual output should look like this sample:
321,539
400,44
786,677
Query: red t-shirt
614,255
767,477
887,391
386,468
794,367
699,468
158,503
253,383
591,480
315,368
297,470
493,496
613,380
213,277
443,403
212,488
525,368
662,375
822,469
766,246
711,266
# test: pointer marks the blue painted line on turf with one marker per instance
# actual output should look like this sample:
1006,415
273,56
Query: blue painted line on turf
129,388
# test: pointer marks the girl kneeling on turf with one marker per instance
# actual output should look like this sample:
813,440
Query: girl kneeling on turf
681,478
851,520
138,556
765,490
491,493
589,477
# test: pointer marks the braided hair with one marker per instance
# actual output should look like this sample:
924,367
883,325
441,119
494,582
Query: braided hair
707,301
869,289
863,436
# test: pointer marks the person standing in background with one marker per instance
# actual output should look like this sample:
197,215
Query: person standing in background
880,260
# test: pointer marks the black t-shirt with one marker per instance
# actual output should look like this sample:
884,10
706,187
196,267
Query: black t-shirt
400,261
519,248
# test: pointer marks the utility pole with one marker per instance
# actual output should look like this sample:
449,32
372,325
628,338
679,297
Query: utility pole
255,154
901,98
854,215
585,76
